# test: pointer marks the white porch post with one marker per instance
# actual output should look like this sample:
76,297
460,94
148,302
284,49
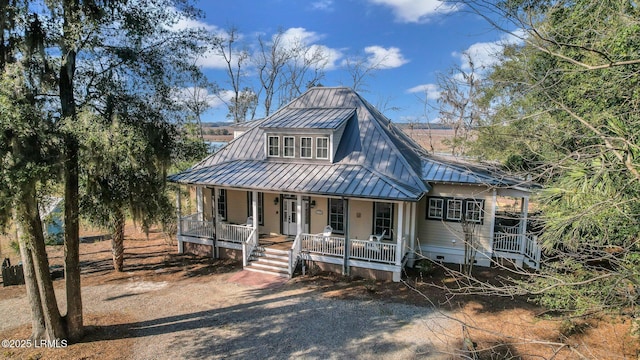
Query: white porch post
524,210
298,215
492,212
347,243
199,203
399,252
179,228
412,233
254,213
214,210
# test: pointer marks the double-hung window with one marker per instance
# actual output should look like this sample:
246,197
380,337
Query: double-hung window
436,208
383,219
336,215
222,204
273,145
306,147
474,210
322,148
289,147
454,209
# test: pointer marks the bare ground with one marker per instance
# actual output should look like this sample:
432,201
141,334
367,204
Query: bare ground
166,305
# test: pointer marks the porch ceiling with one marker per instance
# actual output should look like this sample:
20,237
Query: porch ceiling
330,179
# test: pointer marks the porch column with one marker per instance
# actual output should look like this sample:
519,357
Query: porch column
492,212
412,234
524,210
199,203
179,227
214,217
254,212
299,215
347,243
399,252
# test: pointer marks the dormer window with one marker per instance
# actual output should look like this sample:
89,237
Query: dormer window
289,147
274,146
306,150
322,147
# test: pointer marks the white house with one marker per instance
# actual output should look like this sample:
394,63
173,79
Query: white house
329,158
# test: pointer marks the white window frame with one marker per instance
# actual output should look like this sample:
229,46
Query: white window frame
450,208
270,147
474,210
310,147
285,147
379,217
319,148
433,205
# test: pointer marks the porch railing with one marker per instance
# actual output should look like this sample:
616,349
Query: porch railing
373,251
190,226
358,249
248,245
233,233
325,245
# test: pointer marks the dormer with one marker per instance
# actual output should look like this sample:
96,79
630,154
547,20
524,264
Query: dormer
305,134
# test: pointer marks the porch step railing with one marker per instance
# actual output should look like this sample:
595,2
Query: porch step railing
248,245
294,254
510,240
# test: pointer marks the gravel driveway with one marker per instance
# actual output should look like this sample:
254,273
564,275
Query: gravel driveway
214,318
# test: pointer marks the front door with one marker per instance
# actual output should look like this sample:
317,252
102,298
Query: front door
289,217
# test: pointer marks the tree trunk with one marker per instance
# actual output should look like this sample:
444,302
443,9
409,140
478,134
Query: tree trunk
71,19
72,243
29,219
117,241
38,327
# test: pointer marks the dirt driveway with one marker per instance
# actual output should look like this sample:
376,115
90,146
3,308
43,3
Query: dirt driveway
217,319
180,308
172,306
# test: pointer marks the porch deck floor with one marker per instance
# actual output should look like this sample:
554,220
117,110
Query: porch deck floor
279,242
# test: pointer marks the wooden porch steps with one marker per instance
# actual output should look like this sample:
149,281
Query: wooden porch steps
269,261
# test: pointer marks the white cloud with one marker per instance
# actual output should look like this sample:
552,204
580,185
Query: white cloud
324,5
211,60
293,36
487,54
416,10
331,56
382,58
431,90
296,37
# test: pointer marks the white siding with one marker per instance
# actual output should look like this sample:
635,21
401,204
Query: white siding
441,233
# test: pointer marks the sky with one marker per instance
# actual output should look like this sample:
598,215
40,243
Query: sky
412,41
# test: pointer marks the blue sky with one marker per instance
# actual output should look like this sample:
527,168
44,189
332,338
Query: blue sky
410,40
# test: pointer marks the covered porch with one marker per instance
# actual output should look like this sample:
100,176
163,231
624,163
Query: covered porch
367,234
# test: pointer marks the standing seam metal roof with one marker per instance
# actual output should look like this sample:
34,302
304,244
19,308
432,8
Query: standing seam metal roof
373,159
314,118
332,180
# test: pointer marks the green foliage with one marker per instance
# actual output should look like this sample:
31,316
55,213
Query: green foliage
567,112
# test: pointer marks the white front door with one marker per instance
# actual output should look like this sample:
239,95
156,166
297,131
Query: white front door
289,217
